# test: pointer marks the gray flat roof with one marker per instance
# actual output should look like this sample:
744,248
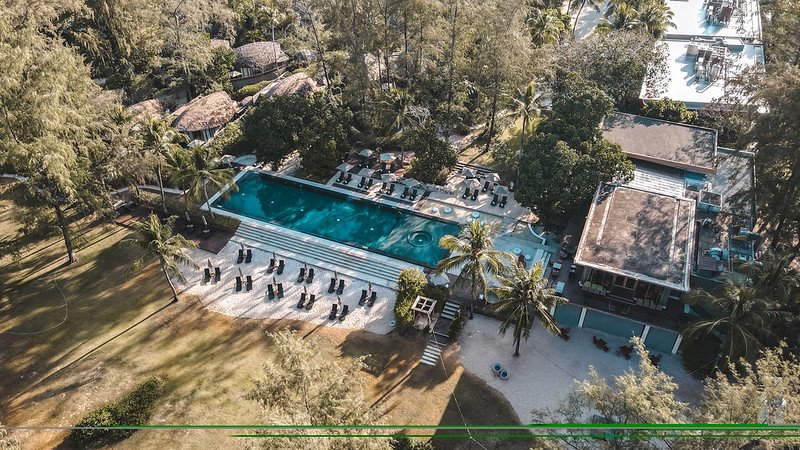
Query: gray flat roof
666,143
639,234
689,19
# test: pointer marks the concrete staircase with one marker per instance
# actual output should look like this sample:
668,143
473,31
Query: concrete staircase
346,260
440,337
450,310
432,353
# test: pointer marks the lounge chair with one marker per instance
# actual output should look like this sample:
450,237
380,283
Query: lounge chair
372,298
361,183
238,283
369,183
310,276
310,303
302,303
413,195
391,189
334,310
466,193
405,192
486,186
340,177
363,297
271,266
345,310
248,282
625,351
332,287
271,292
280,290
240,258
249,256
349,178
495,197
564,333
207,274
302,275
475,195
383,187
280,267
503,201
217,274
340,289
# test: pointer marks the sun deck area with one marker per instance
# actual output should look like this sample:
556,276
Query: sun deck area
727,19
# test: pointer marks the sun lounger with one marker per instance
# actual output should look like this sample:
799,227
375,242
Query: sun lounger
334,310
271,292
413,195
486,186
249,256
238,283
302,275
405,192
383,187
207,274
494,199
332,287
310,276
361,183
280,290
391,189
475,195
503,201
466,193
372,298
311,301
340,289
240,258
340,177
271,266
302,303
249,282
363,297
369,183
280,267
349,178
345,310
217,273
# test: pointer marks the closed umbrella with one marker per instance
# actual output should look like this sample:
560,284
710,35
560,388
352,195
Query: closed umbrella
186,215
241,275
205,223
274,280
370,286
210,266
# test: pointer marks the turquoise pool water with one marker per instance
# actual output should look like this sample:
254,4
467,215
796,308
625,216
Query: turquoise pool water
356,222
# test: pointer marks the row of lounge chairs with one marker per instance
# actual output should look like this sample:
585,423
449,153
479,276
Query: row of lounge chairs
332,287
207,274
248,283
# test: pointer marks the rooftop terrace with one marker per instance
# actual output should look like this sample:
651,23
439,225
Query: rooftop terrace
639,234
738,19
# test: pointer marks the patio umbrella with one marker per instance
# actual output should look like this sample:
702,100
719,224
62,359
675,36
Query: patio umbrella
305,265
388,177
387,157
186,215
210,266
467,172
410,182
492,177
370,286
344,167
472,183
500,190
274,281
305,289
241,244
274,256
240,273
365,172
205,224
366,153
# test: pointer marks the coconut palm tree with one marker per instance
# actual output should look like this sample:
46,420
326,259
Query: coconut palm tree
545,26
158,242
620,15
525,298
161,140
525,106
195,169
399,111
595,3
743,319
774,277
656,18
473,253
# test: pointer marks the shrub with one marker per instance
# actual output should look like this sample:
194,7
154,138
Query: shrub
457,324
133,409
667,109
410,284
177,206
229,141
247,91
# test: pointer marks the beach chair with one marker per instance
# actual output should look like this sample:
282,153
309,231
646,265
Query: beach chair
391,189
495,197
207,274
217,274
240,258
369,183
340,289
271,292
503,201
311,301
302,275
413,195
332,287
249,256
372,298
363,297
383,186
280,290
271,266
361,183
345,310
349,178
466,193
340,177
486,186
405,192
475,195
238,283
280,267
310,276
302,303
248,285
334,310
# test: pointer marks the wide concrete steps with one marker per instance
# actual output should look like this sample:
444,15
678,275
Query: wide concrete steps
345,260
432,353
450,310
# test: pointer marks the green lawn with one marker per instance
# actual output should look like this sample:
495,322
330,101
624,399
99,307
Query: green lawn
120,329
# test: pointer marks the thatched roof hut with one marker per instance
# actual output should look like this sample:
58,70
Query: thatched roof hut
259,55
147,110
297,84
220,43
205,113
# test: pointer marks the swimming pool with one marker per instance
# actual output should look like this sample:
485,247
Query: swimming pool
331,215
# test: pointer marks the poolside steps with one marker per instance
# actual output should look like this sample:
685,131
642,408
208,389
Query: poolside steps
328,255
450,310
432,353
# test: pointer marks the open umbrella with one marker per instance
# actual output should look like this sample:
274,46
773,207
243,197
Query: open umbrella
500,190
467,172
492,177
410,182
472,183
387,157
344,167
365,172
388,177
366,153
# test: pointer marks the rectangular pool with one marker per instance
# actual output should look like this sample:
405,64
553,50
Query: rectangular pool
331,215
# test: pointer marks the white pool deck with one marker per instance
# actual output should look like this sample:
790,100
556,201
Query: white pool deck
547,368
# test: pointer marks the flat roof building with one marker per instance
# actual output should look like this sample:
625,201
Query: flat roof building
726,19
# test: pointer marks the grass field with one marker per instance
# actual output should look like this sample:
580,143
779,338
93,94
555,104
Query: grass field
64,355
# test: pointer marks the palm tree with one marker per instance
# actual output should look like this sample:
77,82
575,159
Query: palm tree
526,106
774,277
656,18
545,26
595,3
743,318
162,140
525,297
195,169
473,253
620,15
157,241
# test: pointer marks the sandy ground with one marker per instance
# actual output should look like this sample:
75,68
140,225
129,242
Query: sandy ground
222,296
588,20
547,367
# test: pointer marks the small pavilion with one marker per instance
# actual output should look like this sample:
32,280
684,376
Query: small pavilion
423,312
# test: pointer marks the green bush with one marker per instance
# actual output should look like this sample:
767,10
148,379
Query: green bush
133,409
229,141
410,284
457,324
699,355
177,206
247,91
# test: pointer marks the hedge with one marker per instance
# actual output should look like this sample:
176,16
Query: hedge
410,284
457,324
133,409
177,206
247,91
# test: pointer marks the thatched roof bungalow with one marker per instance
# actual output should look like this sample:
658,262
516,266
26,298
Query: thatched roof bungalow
299,83
147,110
258,61
205,115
